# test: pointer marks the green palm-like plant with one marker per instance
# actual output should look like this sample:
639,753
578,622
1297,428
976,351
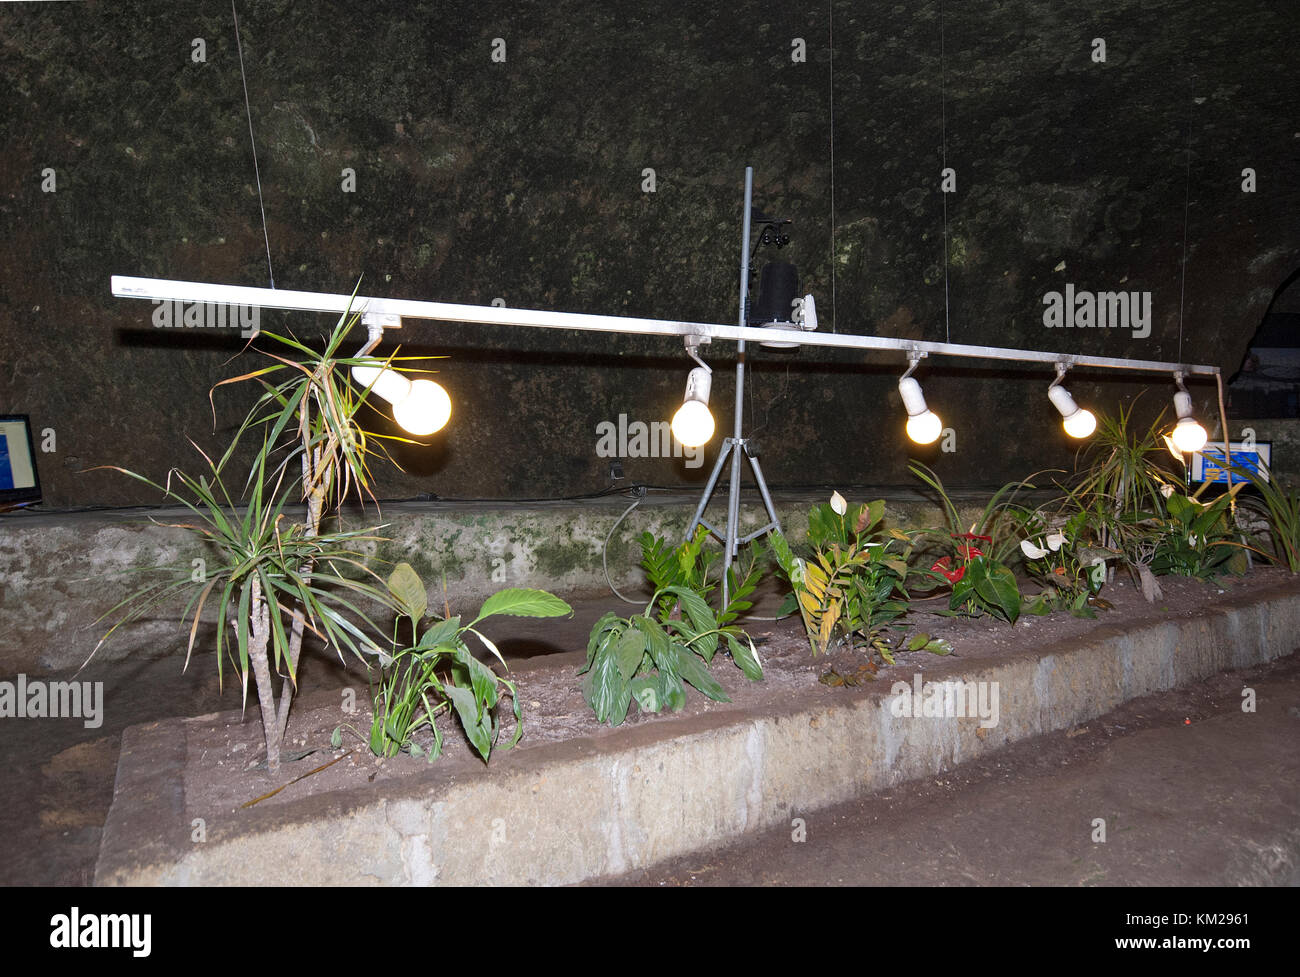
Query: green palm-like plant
257,579
1122,466
311,397
1281,504
271,568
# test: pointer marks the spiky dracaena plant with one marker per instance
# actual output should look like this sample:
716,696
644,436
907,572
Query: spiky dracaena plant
276,579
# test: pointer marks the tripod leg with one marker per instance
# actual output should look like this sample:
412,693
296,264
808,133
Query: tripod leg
727,445
733,523
762,488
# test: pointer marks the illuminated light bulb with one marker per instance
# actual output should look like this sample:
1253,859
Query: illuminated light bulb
420,406
693,424
1079,423
923,424
426,409
1188,435
924,428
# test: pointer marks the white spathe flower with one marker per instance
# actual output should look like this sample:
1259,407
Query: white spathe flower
838,504
1055,541
1032,551
1166,490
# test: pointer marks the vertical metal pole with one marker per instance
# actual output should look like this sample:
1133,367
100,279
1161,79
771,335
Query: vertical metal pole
733,496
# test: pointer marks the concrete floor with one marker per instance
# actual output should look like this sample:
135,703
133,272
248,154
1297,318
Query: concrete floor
1192,790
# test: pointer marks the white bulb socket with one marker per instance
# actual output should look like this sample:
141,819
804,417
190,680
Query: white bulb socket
1078,423
383,382
923,424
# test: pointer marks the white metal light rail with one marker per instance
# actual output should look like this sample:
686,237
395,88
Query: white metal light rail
162,289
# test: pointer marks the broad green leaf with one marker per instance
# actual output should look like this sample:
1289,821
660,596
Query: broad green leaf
482,679
604,689
406,586
702,617
444,633
523,602
999,589
657,640
629,652
672,694
745,657
694,671
645,691
610,623
471,718
1182,508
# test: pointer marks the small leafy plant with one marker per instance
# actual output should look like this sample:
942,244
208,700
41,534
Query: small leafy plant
853,586
976,570
1197,538
651,657
691,565
1281,504
1069,571
439,673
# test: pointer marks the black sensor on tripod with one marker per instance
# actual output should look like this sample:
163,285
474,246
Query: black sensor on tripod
777,289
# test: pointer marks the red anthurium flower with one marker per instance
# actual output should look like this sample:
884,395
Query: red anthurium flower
987,539
969,552
943,565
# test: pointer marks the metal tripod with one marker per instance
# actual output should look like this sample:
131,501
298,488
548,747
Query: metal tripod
736,445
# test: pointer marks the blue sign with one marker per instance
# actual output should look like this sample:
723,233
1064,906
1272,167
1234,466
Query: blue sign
1207,464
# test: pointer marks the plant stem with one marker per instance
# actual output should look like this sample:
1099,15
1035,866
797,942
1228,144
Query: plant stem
315,487
261,626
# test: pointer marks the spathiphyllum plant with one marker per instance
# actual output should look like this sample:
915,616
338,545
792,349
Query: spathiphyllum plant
436,672
650,658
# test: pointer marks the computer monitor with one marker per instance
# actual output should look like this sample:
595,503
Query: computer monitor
19,483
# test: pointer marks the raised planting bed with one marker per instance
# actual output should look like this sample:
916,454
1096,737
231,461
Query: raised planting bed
576,800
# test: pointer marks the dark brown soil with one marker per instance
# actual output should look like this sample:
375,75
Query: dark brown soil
224,750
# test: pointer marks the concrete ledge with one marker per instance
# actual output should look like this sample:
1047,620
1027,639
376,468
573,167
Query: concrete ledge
578,810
